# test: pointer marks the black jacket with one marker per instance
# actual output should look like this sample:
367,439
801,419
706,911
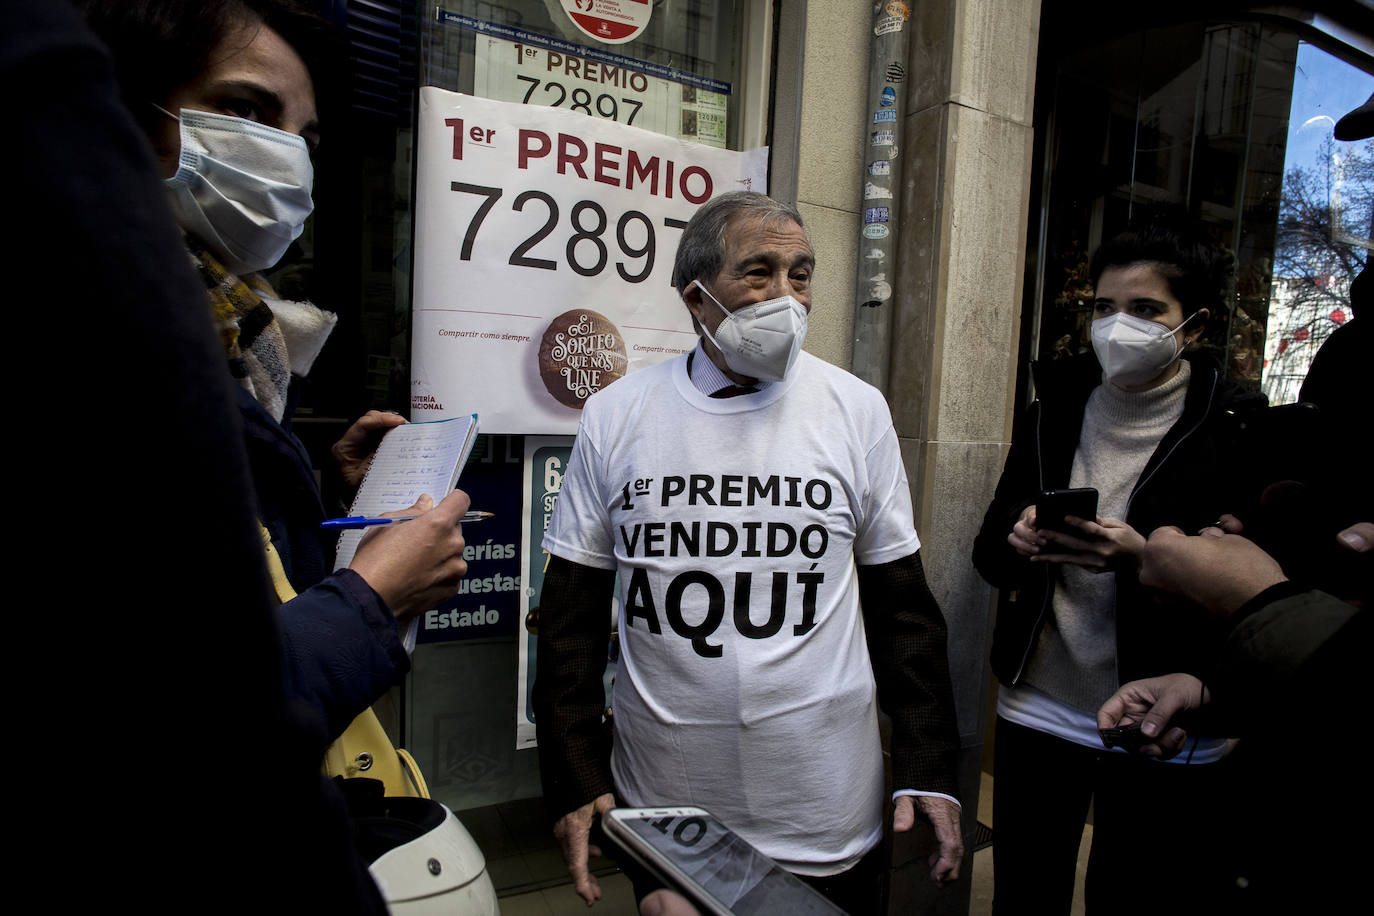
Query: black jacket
1198,471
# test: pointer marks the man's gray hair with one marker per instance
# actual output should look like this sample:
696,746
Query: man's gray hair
701,251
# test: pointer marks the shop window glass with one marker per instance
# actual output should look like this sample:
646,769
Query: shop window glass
1209,119
673,78
1324,220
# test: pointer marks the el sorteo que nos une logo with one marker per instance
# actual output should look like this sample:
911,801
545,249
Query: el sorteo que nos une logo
581,353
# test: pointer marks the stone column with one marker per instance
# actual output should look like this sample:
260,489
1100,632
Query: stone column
963,237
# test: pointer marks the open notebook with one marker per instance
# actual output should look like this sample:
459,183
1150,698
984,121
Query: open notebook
412,459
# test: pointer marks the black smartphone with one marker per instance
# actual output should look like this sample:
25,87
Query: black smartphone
1053,505
1126,737
715,868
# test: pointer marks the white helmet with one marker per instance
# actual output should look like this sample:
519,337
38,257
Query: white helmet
439,872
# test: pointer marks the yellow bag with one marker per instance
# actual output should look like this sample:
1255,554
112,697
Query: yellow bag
364,749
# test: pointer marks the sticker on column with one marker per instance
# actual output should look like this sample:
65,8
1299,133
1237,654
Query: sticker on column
878,289
611,22
889,24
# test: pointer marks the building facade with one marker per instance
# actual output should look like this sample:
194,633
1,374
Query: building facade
1027,134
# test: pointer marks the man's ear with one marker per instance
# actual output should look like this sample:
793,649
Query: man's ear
695,300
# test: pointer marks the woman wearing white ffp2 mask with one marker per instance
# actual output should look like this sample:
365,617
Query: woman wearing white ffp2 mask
1139,329
1157,436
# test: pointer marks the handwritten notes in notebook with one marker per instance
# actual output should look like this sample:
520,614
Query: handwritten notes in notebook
413,459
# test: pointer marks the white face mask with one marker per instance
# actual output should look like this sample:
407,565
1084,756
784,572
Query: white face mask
241,187
761,340
1134,350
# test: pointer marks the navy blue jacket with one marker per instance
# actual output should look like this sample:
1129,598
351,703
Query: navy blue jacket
341,648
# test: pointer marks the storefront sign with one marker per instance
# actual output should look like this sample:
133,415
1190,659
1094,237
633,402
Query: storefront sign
544,243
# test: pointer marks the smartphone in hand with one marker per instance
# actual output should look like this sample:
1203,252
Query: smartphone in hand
1052,506
715,868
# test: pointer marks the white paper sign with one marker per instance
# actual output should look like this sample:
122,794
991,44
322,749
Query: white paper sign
544,243
513,71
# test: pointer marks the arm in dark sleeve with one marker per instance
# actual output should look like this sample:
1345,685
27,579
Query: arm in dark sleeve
1020,483
906,641
574,633
1294,654
342,651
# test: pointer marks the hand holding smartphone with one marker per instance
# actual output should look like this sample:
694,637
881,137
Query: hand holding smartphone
1052,506
715,868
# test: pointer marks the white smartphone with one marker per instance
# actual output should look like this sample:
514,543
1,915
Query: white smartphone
715,868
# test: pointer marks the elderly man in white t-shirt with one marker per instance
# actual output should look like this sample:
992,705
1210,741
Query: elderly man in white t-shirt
752,500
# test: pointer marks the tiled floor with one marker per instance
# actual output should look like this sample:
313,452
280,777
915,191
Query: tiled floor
527,869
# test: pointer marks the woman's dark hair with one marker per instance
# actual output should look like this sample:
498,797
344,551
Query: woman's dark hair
1197,269
160,45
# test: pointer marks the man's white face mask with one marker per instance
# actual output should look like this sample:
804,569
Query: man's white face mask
1134,350
242,188
761,340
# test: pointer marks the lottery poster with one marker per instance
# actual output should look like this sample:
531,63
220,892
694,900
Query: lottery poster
516,71
544,243
546,461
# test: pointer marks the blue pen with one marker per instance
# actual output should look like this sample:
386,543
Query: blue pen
367,521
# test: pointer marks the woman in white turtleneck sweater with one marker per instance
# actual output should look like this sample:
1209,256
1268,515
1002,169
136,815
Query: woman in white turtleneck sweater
1156,436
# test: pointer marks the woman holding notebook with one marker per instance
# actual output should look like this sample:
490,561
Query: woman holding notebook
225,91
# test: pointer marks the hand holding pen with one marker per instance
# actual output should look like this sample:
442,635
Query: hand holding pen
351,522
417,566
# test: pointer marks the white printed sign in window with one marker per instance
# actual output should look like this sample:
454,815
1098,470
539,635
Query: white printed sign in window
544,243
514,71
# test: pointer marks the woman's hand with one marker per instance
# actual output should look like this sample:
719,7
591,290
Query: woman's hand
1024,538
1107,543
354,451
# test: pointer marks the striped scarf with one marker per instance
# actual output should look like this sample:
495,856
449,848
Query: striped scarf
252,338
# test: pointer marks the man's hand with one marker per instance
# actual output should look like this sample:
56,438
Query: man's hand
1100,545
416,565
353,452
1218,571
1153,702
573,832
1358,538
943,815
664,902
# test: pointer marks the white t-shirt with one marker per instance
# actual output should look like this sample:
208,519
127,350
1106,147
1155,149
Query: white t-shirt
735,524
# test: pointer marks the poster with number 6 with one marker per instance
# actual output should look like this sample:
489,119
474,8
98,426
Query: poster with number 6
544,244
